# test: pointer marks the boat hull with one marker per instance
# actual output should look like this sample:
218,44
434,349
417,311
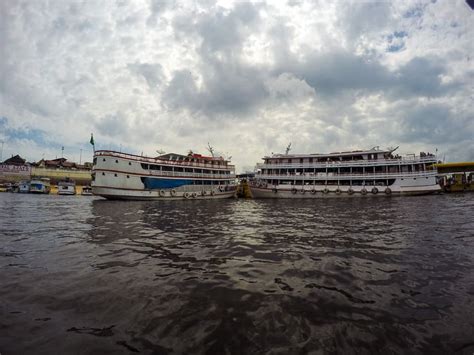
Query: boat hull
342,192
128,194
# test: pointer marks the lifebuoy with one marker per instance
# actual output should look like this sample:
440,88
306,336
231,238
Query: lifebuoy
186,195
212,192
203,192
293,190
338,191
221,188
194,194
375,190
302,191
326,190
162,193
173,192
388,191
313,191
363,191
350,191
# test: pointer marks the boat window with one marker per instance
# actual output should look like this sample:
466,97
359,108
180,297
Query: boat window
129,163
103,159
116,161
103,173
128,176
115,175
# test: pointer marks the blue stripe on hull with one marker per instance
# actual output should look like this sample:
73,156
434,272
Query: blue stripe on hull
156,183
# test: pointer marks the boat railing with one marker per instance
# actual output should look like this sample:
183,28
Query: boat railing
144,159
191,175
377,175
344,163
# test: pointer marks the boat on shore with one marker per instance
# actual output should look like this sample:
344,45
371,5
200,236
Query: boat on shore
360,173
117,175
67,187
24,187
40,186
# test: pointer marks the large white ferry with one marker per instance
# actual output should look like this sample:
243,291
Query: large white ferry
371,172
118,175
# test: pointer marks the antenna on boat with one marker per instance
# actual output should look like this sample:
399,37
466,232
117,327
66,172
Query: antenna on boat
288,149
210,149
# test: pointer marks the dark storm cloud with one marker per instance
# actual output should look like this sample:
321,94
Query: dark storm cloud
333,73
434,123
229,86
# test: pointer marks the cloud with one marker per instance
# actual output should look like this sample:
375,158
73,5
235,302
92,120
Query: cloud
152,73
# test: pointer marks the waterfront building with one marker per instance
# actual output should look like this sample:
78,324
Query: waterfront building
117,175
372,172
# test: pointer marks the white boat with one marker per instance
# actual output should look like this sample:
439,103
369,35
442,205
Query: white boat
24,187
86,191
361,173
167,177
66,187
40,186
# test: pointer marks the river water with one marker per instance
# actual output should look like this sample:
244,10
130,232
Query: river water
84,275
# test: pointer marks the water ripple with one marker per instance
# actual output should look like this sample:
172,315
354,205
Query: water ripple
237,276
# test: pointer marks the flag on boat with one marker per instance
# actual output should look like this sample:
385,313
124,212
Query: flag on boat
92,142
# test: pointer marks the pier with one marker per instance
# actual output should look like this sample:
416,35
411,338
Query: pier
456,177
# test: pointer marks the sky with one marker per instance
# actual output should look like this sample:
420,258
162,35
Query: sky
246,77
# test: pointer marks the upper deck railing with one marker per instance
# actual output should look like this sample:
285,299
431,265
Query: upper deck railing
349,163
162,161
345,176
